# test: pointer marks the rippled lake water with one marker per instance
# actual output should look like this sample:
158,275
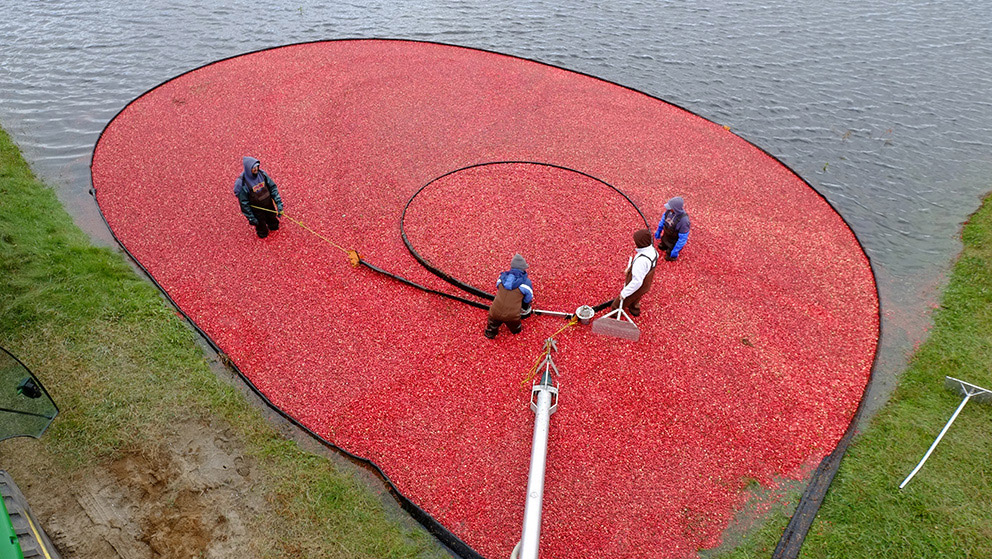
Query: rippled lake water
884,107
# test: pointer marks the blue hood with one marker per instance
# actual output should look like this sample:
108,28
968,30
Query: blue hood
511,279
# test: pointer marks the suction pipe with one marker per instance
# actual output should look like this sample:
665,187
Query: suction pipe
544,402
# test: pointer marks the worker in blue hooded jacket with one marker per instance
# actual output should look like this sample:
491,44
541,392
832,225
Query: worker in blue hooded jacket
673,229
514,294
255,188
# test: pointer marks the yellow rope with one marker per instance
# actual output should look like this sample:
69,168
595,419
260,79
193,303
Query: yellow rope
571,322
352,255
544,353
37,537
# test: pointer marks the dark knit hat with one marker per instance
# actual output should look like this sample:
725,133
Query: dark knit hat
518,262
642,238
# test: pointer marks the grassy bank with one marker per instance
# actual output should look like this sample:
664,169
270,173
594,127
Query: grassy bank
125,371
946,510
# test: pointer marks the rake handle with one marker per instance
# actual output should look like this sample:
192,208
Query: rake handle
934,445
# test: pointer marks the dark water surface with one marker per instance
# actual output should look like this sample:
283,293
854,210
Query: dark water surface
884,107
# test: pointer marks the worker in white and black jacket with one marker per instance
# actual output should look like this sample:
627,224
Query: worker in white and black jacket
640,274
514,294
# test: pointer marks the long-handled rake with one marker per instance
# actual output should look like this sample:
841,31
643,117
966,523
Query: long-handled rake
617,327
967,390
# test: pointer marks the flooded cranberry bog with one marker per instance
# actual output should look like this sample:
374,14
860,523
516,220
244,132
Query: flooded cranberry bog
436,163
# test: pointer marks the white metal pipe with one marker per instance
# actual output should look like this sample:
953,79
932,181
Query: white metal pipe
934,445
552,313
535,480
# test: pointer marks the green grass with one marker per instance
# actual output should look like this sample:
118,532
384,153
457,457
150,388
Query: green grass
946,510
124,369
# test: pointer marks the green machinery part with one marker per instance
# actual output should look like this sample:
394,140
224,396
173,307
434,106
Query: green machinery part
9,547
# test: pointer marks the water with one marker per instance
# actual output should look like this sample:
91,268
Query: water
884,107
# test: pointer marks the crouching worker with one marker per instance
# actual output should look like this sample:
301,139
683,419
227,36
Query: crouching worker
640,274
673,229
514,294
255,188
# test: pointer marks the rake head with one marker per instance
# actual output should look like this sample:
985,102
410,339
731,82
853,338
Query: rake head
617,327
977,393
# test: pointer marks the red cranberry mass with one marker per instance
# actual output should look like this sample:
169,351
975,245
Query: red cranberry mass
756,343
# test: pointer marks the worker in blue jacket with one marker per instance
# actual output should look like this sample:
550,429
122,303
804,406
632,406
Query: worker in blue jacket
259,197
673,229
514,294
